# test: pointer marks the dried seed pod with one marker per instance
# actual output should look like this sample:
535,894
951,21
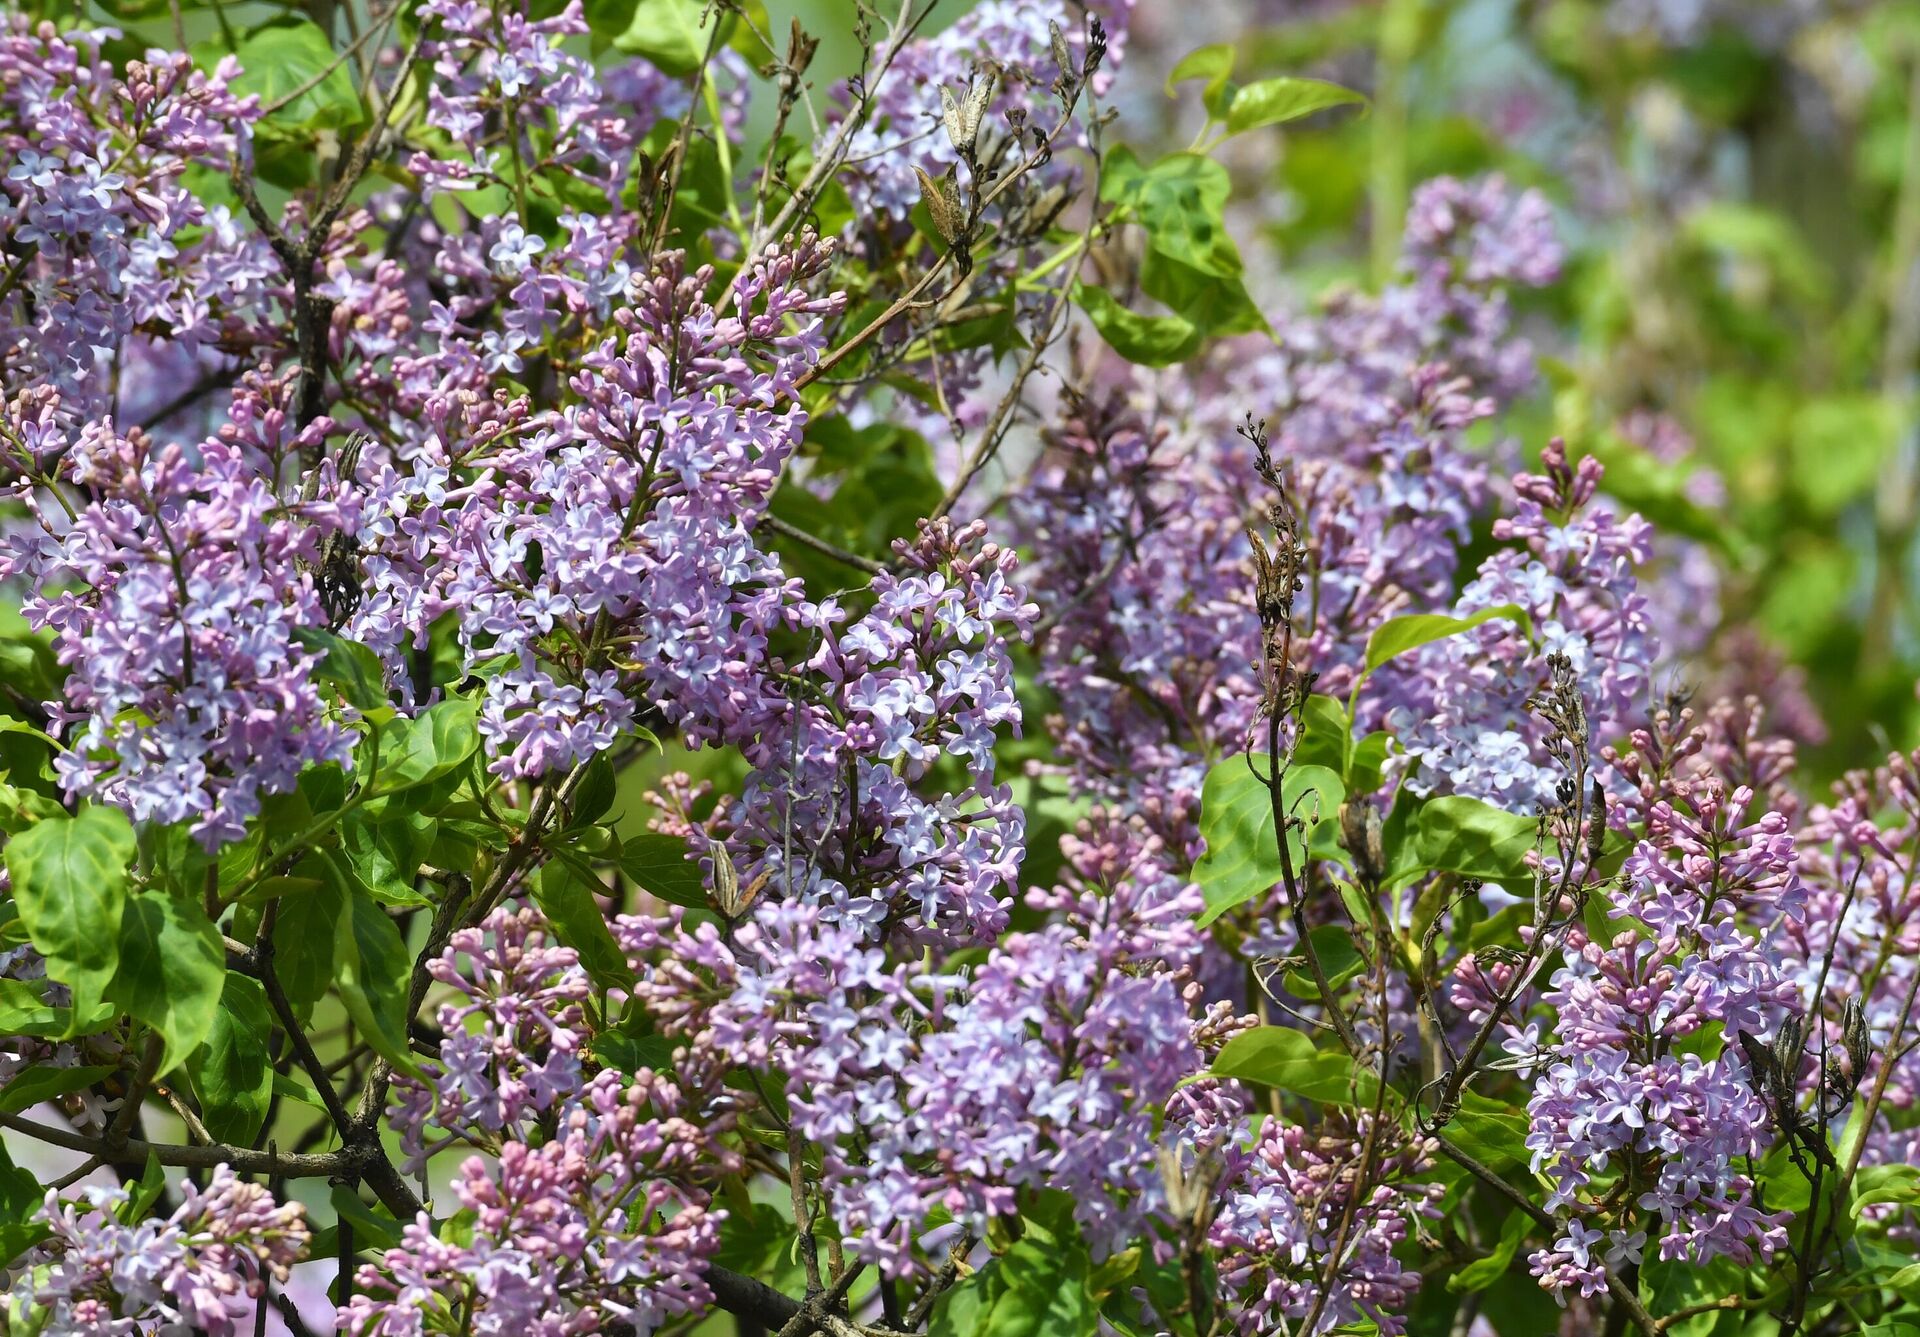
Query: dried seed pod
1361,837
964,115
1856,1036
942,196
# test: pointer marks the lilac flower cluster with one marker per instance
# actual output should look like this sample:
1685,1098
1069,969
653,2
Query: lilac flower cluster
600,1222
1460,707
1624,1086
590,1205
605,551
941,1094
1282,1204
116,252
1009,41
1138,504
203,1266
176,588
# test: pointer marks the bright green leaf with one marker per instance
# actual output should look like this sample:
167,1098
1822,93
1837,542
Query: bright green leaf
293,56
69,879
1287,1060
1147,341
172,970
1274,101
1236,819
1397,635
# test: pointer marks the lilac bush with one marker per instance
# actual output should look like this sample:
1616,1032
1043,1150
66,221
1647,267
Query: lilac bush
645,680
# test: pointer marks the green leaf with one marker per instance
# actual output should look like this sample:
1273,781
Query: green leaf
1287,1060
1147,341
428,747
172,971
306,930
372,1228
668,33
289,55
348,665
1493,1133
1339,958
39,1084
661,866
1397,635
20,1193
594,795
1455,834
231,1072
1211,63
564,893
1034,1289
1483,1272
1236,819
146,1191
1275,101
1837,445
1181,202
374,970
386,855
69,879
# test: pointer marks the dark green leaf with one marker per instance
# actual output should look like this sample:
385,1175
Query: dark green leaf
305,932
39,1084
231,1072
1483,1272
1455,834
660,866
565,894
373,969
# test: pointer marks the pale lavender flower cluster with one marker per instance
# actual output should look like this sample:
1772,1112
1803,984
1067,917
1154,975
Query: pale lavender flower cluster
202,1266
1617,1080
175,587
1138,505
606,551
935,1098
590,1205
117,252
514,1034
1459,707
1282,1203
831,811
600,1222
1010,40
